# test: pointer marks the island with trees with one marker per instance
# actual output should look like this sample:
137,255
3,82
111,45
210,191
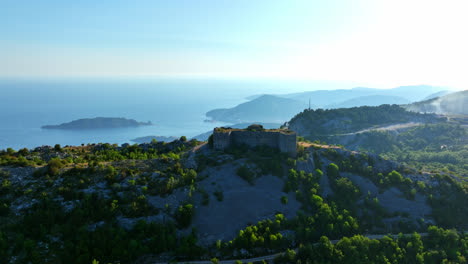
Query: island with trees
99,123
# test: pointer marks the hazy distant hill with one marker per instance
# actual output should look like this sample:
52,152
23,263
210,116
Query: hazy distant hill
266,108
324,98
454,103
98,123
370,100
435,95
279,108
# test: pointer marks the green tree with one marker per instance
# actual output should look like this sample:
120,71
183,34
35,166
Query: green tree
284,199
184,215
333,171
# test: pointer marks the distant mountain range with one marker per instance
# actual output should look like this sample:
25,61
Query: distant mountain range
324,98
370,100
266,108
281,108
453,103
98,123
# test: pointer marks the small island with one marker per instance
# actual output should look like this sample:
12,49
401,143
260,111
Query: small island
98,123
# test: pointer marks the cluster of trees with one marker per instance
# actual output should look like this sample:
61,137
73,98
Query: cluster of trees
305,185
445,197
21,158
256,238
319,217
427,147
65,218
96,153
346,193
447,200
88,229
346,120
439,246
362,165
246,173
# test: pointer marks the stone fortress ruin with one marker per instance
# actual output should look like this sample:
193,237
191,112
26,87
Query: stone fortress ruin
255,135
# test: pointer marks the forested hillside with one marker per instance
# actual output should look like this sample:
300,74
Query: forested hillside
320,122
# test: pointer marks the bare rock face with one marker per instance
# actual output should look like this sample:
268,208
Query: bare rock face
242,203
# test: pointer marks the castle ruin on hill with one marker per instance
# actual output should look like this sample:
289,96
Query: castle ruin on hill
255,135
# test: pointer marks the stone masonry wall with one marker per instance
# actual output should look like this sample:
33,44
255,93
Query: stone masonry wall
255,138
287,143
284,142
221,140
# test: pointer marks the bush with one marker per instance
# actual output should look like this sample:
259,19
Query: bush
183,138
333,171
284,199
23,152
219,195
53,166
184,215
58,148
245,173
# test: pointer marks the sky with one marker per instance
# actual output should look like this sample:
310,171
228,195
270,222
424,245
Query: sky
380,42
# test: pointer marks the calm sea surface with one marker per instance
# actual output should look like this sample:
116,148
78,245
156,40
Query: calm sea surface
176,107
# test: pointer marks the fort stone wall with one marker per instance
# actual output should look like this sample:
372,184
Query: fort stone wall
255,138
287,143
284,141
221,140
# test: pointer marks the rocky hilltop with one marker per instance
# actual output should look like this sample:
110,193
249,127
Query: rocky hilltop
98,123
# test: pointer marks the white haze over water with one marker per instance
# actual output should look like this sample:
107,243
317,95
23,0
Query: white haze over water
176,107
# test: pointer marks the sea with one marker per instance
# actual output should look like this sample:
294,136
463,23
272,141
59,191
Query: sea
176,107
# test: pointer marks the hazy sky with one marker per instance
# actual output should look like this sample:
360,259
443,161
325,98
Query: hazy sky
383,42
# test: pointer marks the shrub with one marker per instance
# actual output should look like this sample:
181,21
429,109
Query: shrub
23,152
333,171
245,173
284,199
184,215
219,195
53,166
58,148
